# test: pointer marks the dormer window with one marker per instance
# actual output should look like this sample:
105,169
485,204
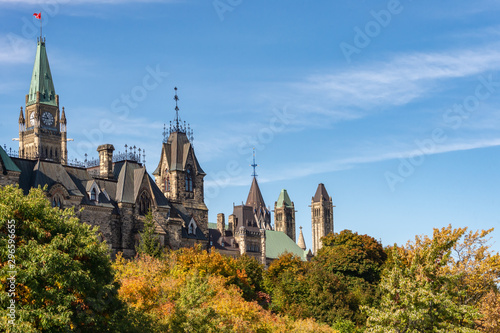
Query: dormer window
93,194
192,227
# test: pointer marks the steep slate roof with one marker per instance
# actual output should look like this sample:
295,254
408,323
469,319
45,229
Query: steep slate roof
176,151
51,173
278,242
41,79
284,200
7,163
321,193
255,198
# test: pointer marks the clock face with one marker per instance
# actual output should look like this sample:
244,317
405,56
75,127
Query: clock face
32,119
47,118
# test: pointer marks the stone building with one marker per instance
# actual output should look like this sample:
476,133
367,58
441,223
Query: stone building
116,191
284,215
321,216
249,230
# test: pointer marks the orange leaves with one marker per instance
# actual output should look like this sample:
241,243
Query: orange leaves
193,290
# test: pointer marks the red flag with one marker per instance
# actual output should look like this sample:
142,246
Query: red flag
38,16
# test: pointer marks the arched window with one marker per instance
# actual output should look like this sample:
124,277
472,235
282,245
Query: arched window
56,201
144,203
93,194
191,229
189,180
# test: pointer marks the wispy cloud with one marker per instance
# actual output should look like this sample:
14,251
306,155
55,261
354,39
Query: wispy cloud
402,79
297,171
15,50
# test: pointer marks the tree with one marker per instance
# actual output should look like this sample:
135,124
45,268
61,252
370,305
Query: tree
351,265
63,276
149,243
417,296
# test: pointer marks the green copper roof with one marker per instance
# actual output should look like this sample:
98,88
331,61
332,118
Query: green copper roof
284,199
278,242
7,162
41,79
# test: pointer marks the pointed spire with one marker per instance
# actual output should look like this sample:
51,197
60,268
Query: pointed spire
63,116
284,200
21,116
254,165
301,243
321,193
41,79
255,198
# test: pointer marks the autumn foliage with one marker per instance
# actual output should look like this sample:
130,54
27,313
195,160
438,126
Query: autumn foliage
66,282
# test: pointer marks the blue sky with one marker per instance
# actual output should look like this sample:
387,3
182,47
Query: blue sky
393,105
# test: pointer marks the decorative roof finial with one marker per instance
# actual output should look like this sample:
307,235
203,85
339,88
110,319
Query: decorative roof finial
254,165
176,98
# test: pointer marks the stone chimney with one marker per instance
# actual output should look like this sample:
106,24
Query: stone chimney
231,223
221,224
106,161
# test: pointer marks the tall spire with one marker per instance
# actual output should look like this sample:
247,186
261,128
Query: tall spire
178,126
301,243
254,165
41,79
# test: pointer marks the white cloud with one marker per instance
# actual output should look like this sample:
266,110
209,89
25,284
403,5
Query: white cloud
15,50
311,168
401,80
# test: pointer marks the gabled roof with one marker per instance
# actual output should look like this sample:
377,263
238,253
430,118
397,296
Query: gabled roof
321,193
7,163
255,198
284,200
41,79
176,152
278,242
50,173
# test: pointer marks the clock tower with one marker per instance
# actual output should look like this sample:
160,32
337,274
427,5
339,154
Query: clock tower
42,128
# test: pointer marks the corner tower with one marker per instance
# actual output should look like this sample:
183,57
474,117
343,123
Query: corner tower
42,129
321,216
284,215
179,175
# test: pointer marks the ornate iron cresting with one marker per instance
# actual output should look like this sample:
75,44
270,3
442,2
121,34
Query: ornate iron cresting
135,155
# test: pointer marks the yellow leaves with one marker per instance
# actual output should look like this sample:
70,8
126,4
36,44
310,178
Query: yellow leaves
490,310
189,283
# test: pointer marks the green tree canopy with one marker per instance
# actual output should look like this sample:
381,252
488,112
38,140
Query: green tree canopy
63,279
149,242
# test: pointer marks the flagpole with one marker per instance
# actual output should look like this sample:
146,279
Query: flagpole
40,28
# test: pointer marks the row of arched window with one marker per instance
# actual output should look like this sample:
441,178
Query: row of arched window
253,248
188,181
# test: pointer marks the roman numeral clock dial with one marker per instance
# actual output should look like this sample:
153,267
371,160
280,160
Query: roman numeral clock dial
47,118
